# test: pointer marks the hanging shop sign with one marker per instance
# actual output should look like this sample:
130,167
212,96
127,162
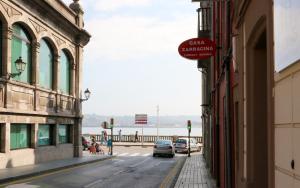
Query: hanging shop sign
197,48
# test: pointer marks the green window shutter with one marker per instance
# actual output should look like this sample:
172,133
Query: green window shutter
21,47
64,134
64,73
46,65
19,136
44,135
13,139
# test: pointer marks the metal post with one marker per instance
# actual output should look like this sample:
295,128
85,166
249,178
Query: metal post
111,152
112,135
157,120
189,151
189,126
142,134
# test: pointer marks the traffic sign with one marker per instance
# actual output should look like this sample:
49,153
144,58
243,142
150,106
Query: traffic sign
197,48
141,119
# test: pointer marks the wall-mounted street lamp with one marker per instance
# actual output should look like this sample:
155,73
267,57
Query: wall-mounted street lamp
20,66
87,95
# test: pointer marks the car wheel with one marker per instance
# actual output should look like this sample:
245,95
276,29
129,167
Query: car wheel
154,155
172,155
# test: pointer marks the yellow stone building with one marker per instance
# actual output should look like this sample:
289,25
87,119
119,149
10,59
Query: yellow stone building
41,53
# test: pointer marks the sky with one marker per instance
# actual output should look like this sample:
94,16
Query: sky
131,63
286,44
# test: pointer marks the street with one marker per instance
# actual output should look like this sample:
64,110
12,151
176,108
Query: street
132,167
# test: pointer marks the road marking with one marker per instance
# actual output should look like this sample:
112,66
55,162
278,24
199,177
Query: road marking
123,154
94,183
135,165
147,154
23,185
135,154
119,172
27,180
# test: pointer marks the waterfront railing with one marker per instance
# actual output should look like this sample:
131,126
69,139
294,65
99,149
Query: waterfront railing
147,138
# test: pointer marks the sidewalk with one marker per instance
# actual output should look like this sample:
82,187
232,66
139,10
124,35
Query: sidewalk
12,174
194,174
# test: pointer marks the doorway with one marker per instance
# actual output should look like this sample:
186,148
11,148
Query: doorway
257,108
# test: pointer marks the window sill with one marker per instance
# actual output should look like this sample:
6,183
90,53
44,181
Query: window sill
19,149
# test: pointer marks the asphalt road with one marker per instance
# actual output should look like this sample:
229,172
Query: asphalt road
134,167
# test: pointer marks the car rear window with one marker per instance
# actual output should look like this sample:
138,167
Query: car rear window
163,142
181,141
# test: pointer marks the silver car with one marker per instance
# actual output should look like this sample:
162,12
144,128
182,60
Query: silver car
163,147
181,145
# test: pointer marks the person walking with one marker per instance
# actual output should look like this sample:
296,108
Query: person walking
109,145
105,136
120,135
136,138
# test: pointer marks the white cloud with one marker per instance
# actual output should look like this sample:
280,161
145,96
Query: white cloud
119,38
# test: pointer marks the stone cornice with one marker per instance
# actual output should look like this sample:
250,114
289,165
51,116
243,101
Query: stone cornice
66,24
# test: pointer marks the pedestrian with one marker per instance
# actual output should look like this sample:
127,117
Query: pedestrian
92,149
105,136
109,145
136,138
102,137
120,135
93,139
99,150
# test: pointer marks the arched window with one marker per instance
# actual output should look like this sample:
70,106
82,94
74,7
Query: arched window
64,73
46,65
21,47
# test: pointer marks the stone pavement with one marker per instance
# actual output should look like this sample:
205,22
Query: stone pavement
194,174
13,174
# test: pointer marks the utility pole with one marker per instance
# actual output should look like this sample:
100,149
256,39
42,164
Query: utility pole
157,120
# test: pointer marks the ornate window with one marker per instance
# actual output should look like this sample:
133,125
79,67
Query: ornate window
21,47
19,136
64,134
46,65
45,135
65,72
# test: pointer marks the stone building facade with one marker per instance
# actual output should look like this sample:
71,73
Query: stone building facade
40,108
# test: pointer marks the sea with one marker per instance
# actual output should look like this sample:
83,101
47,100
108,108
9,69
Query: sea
162,131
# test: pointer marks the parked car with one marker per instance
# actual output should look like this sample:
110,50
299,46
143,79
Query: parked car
182,145
86,142
163,147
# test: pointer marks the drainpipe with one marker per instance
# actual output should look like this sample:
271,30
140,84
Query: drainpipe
228,97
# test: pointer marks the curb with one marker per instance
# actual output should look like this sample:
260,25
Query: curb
42,172
172,177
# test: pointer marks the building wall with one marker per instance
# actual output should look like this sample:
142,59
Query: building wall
30,103
253,25
287,127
